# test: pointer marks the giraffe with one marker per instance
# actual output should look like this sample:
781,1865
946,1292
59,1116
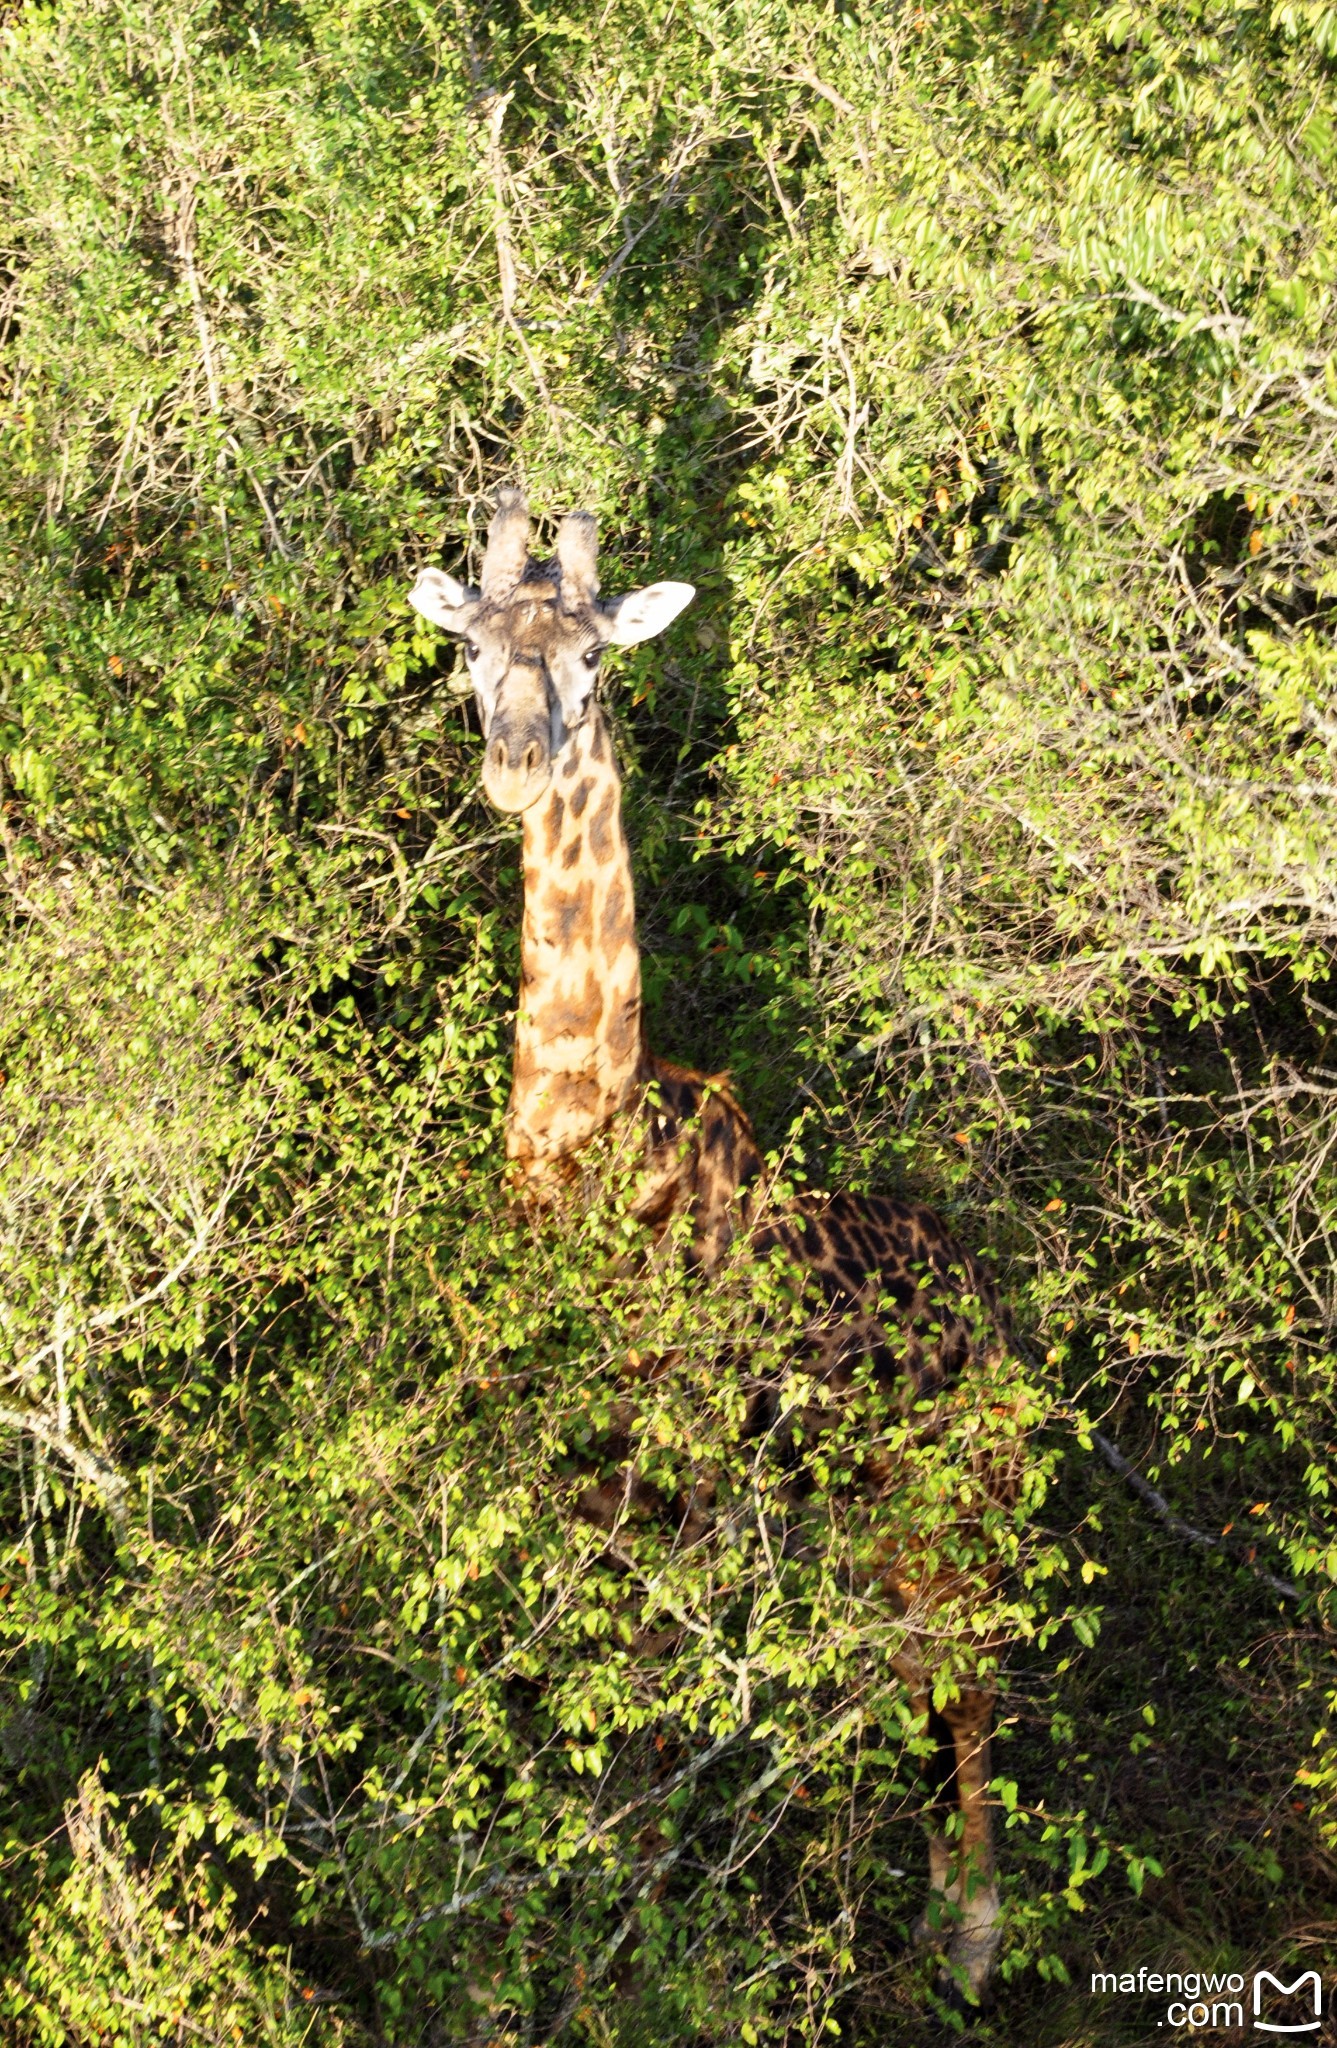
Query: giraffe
534,635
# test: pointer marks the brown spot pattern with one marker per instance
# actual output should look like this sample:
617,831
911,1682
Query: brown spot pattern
552,827
617,927
601,830
566,915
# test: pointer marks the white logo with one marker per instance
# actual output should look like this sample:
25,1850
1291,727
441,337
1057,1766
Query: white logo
1310,1977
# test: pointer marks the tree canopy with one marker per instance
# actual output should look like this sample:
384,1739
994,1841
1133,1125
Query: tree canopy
976,363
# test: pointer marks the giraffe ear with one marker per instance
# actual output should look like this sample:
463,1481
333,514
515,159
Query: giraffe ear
443,600
643,613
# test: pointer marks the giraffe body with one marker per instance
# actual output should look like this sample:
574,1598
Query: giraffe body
891,1283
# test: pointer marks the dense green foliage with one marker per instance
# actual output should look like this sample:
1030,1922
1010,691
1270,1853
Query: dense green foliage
976,364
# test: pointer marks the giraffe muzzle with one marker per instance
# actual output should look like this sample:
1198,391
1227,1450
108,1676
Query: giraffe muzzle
517,766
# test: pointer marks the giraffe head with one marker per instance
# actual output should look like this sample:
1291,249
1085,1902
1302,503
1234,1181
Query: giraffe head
533,636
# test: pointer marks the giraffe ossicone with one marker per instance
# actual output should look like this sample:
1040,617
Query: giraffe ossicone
534,634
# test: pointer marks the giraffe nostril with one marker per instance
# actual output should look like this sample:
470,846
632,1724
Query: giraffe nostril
497,754
531,758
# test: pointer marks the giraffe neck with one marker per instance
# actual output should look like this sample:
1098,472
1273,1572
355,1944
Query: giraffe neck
578,1048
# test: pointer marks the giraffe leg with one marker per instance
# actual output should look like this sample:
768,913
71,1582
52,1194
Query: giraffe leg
940,1776
974,1886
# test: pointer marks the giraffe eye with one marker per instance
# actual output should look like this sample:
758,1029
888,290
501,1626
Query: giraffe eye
471,650
591,656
